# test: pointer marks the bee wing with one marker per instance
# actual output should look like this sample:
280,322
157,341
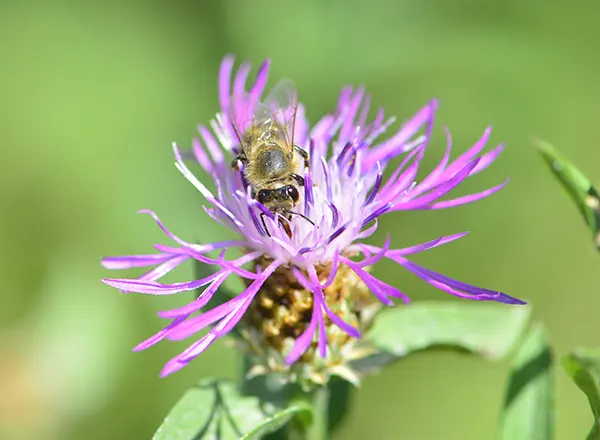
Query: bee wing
280,107
277,110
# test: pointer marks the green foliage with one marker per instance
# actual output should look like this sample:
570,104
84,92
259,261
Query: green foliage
216,409
584,368
577,185
529,405
488,330
273,389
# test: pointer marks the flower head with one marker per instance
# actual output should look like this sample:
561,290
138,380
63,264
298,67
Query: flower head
307,281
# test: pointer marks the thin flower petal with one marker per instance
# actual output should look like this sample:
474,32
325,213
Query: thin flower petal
130,261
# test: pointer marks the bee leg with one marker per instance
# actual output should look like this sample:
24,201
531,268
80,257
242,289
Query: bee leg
262,219
285,223
298,179
302,153
236,159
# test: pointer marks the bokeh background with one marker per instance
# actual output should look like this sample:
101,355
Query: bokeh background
93,93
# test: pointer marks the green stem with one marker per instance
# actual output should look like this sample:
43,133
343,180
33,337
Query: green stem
318,430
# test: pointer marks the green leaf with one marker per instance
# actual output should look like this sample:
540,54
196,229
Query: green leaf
577,185
341,393
489,330
584,368
216,410
274,389
529,405
275,422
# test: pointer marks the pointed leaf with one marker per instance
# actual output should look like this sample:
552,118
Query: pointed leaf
577,185
215,409
275,422
488,330
584,368
529,405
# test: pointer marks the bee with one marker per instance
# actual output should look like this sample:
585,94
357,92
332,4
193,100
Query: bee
269,156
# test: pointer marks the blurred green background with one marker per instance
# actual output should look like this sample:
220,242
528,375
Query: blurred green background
93,93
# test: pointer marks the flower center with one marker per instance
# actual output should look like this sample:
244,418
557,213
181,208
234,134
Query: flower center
283,308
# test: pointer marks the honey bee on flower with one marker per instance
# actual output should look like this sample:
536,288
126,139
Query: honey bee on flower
306,275
268,154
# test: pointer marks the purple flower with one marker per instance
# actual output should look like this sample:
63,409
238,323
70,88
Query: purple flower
344,194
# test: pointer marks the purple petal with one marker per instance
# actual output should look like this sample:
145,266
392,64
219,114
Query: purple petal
221,329
172,366
197,323
308,192
239,82
302,342
350,116
156,288
449,285
380,289
336,234
375,189
257,224
434,177
362,118
379,211
393,182
201,156
461,160
203,190
368,232
341,158
487,159
234,265
369,261
343,325
211,144
395,144
225,82
129,261
322,341
441,190
317,313
164,228
418,248
266,211
327,178
467,199
345,95
164,268
200,322
196,349
335,215
160,335
261,79
197,304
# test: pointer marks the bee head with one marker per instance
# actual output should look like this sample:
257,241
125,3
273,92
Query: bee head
280,199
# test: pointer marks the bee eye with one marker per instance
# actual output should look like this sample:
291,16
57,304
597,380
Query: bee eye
292,192
263,196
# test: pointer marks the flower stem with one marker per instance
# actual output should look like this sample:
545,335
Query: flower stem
319,429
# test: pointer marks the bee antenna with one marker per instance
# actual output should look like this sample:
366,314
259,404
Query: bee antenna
300,215
237,135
